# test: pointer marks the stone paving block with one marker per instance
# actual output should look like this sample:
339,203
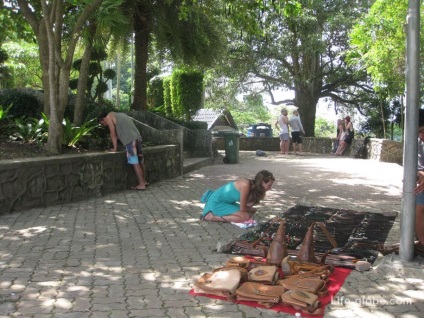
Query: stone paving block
177,312
160,313
74,314
139,249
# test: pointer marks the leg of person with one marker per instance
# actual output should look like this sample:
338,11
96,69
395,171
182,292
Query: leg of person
140,178
419,218
300,149
340,149
294,148
133,160
281,146
237,217
143,169
139,145
287,145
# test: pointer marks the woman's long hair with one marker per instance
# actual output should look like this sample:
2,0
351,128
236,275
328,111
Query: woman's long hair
257,191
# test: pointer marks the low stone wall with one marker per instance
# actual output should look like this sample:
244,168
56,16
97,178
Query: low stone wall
40,182
377,149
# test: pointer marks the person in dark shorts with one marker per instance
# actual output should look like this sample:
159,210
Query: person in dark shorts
419,190
348,137
122,128
296,131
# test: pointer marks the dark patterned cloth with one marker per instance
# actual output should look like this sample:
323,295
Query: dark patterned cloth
359,235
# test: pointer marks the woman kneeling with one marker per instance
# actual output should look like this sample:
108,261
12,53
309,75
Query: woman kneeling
234,201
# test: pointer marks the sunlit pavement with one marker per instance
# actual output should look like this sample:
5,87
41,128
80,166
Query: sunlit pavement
137,253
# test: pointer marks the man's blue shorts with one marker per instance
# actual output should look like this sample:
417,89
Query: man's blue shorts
419,198
134,152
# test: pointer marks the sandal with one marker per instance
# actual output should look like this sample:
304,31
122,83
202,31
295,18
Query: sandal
203,217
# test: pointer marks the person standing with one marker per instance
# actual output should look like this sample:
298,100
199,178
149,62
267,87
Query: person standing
339,135
347,138
296,130
419,190
282,124
122,128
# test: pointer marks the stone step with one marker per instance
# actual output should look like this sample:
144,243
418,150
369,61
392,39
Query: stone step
191,164
186,154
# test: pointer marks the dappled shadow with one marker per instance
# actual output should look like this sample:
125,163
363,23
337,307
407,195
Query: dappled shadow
135,253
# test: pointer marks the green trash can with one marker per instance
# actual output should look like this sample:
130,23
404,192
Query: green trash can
231,147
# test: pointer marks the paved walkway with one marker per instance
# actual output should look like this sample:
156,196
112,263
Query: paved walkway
136,253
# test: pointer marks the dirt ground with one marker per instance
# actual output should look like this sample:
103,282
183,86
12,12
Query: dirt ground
14,150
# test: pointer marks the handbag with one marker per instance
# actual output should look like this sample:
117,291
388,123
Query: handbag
265,295
250,248
314,285
304,301
306,251
221,282
247,263
278,248
253,248
264,274
238,261
291,266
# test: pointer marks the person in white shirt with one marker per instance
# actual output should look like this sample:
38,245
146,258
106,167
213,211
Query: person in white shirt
296,130
282,124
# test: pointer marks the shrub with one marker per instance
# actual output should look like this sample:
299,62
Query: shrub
30,131
23,104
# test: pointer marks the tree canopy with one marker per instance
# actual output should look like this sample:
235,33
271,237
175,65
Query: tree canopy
303,52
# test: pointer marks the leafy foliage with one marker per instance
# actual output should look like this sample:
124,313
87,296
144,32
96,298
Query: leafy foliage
4,113
325,128
378,45
97,81
167,95
155,93
31,130
23,104
186,93
23,64
73,134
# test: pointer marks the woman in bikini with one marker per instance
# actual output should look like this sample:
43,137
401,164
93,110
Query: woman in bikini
234,201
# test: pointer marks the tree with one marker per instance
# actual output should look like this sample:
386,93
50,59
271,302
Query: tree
303,52
24,64
57,40
378,45
167,21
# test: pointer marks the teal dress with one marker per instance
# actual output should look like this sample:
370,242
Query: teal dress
223,201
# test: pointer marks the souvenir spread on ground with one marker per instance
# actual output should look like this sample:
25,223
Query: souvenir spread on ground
359,235
294,286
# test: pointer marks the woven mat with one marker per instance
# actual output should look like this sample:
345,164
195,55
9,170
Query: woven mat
359,235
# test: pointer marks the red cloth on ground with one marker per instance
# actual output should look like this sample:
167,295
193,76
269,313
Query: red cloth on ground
337,279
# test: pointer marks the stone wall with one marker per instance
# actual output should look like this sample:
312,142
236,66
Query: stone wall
158,130
40,182
377,149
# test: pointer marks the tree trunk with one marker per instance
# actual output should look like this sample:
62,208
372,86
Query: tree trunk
82,85
142,29
307,89
383,121
118,80
44,62
307,104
